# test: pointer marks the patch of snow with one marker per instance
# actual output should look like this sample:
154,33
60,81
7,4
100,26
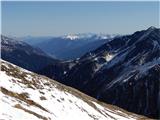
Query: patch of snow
109,57
64,72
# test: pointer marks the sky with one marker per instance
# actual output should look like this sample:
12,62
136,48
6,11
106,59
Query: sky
60,18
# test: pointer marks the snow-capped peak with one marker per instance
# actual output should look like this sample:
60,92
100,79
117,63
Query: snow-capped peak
151,28
72,37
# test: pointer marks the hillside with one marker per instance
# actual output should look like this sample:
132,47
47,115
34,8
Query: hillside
124,72
24,55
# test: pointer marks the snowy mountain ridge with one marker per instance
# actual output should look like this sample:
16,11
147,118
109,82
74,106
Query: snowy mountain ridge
89,35
26,95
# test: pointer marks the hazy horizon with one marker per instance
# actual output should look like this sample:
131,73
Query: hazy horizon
61,18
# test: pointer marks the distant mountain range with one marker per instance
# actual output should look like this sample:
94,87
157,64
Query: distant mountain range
123,70
68,47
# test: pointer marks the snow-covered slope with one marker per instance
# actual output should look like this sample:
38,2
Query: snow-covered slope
27,96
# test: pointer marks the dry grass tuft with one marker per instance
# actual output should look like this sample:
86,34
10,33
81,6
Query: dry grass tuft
22,96
18,106
43,98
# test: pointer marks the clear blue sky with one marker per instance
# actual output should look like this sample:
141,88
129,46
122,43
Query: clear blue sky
59,18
